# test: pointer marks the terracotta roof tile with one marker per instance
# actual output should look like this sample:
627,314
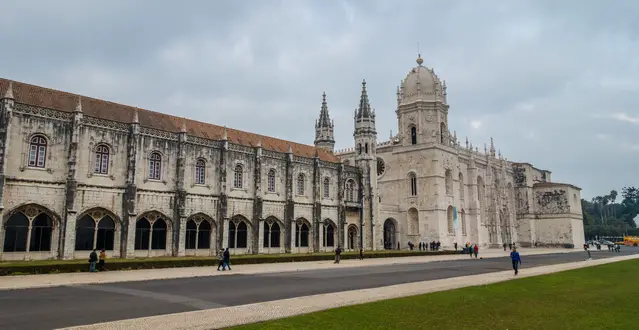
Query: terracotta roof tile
63,101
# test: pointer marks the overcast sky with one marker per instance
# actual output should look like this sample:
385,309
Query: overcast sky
555,83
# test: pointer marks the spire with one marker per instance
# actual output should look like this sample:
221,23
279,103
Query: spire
364,110
399,97
9,93
225,135
324,118
135,120
78,106
492,147
467,142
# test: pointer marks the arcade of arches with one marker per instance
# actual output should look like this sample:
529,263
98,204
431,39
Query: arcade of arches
30,229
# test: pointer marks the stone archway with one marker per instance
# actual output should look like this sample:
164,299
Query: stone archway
30,232
352,242
390,234
201,235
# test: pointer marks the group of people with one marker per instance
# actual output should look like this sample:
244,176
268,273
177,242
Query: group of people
432,246
95,260
471,249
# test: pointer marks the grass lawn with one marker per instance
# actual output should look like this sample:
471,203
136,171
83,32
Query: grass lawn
600,297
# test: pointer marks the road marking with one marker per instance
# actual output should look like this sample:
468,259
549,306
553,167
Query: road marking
175,299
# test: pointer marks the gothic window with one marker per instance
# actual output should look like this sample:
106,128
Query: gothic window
37,151
238,174
101,159
413,135
449,182
155,166
238,235
302,233
359,148
271,180
350,191
366,148
442,128
300,184
327,185
88,236
200,170
271,234
413,184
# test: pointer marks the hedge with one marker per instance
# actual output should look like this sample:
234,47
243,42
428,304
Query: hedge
60,266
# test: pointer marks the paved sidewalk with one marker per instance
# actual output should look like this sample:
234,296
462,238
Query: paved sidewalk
232,316
51,280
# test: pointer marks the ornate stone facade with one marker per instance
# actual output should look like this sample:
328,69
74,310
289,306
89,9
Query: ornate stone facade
426,186
79,173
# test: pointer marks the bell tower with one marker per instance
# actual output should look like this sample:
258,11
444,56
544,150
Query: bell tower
422,109
365,137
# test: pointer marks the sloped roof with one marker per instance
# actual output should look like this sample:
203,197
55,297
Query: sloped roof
62,101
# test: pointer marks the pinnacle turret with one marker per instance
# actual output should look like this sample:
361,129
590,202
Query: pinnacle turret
8,94
324,128
364,110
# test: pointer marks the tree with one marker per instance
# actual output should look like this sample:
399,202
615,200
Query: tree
613,198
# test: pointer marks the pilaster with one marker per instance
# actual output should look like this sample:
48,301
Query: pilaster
129,209
222,210
317,205
258,201
179,228
341,211
289,209
67,239
6,113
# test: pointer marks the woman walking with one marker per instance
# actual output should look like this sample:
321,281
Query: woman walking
516,259
102,260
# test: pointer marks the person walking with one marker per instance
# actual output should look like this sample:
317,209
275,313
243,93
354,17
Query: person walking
220,259
587,248
93,259
338,254
504,247
470,250
102,260
476,250
516,259
455,246
361,254
227,259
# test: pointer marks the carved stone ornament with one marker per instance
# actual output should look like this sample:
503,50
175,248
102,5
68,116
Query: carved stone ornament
429,118
448,165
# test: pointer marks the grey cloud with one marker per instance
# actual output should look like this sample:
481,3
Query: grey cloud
545,78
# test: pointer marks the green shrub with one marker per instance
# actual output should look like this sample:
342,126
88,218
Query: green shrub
35,267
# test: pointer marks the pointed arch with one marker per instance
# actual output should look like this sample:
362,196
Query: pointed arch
302,233
353,237
412,181
30,227
238,232
152,230
273,230
96,228
462,215
390,234
329,233
200,232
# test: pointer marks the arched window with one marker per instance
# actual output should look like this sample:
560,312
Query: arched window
16,233
142,234
95,230
271,234
271,180
42,228
449,216
238,176
449,182
200,170
302,232
101,159
37,151
359,148
413,184
155,166
191,235
329,235
204,235
461,187
158,237
350,187
366,148
442,128
413,135
238,236
327,185
300,184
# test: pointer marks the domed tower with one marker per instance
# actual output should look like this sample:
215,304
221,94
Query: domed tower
422,111
365,158
324,128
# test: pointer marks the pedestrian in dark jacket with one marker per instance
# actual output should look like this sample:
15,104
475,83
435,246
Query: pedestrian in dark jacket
516,259
93,259
227,259
338,254
220,259
361,254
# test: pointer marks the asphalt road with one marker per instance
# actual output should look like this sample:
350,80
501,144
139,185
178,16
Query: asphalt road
49,308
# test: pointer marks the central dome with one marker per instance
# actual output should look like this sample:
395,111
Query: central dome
422,84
